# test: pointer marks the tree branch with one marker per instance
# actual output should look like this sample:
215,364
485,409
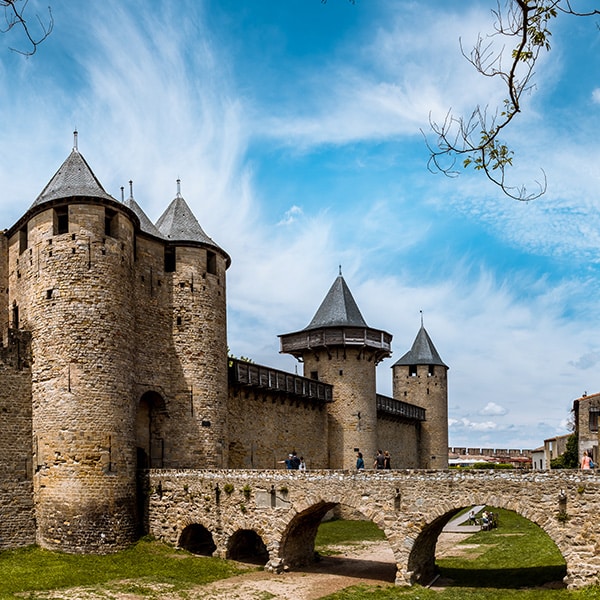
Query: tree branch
14,16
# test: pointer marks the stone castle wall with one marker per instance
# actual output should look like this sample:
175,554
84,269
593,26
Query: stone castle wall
17,520
401,439
428,390
264,427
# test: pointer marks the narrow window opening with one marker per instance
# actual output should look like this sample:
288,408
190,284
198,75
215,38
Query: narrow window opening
15,316
594,412
314,375
110,222
23,240
170,259
405,393
430,370
211,262
178,320
61,220
412,370
49,294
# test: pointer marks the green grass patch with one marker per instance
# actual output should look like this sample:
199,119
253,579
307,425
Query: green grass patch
515,554
332,533
460,593
142,566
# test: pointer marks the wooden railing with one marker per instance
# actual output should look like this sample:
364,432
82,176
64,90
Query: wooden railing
398,408
252,375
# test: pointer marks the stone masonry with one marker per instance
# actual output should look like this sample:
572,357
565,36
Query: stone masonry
114,359
211,509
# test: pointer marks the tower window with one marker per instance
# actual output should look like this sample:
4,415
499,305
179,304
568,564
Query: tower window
430,370
110,222
61,220
211,262
170,259
594,412
314,375
15,316
23,241
412,370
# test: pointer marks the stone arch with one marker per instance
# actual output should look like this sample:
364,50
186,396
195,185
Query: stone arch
150,431
195,538
421,559
297,547
245,545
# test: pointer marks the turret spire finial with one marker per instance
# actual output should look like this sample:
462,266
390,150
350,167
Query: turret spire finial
75,146
178,187
421,317
340,270
122,193
131,188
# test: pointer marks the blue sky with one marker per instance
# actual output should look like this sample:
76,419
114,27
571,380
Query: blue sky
295,129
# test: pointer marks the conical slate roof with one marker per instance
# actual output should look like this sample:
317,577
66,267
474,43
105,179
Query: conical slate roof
338,309
73,178
178,223
423,352
146,224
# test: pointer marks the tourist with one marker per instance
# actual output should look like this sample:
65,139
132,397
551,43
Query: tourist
387,460
586,461
379,460
360,463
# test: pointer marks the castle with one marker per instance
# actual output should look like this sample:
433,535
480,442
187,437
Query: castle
114,359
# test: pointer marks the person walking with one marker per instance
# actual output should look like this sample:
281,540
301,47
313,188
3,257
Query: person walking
360,463
378,463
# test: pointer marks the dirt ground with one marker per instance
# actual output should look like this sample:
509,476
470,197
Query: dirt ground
369,563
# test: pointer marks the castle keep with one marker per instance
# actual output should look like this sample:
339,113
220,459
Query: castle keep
114,360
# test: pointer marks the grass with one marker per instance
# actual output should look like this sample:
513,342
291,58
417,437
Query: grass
339,532
517,553
142,568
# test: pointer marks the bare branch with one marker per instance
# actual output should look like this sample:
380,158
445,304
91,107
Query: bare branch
476,140
14,16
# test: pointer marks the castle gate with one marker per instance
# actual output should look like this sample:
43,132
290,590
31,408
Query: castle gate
279,511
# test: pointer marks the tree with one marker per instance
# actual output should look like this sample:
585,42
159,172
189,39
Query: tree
569,459
476,140
14,16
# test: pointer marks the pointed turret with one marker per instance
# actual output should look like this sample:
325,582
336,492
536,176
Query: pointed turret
74,178
339,348
423,352
420,377
146,224
338,309
178,224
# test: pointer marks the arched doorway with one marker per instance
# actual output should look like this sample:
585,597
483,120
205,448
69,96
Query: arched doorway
245,545
197,540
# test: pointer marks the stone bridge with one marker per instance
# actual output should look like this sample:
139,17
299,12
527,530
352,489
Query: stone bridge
274,515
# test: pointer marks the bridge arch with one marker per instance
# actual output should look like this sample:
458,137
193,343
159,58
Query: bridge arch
421,567
246,545
197,539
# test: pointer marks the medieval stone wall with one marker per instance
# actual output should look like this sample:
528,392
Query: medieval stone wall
353,412
73,290
264,427
411,507
428,390
17,522
401,439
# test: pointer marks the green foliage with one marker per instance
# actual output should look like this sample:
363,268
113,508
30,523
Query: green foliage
144,565
570,458
228,488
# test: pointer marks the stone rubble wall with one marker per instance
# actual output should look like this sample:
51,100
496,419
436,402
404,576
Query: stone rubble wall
411,507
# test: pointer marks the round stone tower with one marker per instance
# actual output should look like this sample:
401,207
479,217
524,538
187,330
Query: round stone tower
195,269
420,377
70,261
339,348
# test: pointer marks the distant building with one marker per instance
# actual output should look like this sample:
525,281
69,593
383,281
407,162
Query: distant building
586,413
